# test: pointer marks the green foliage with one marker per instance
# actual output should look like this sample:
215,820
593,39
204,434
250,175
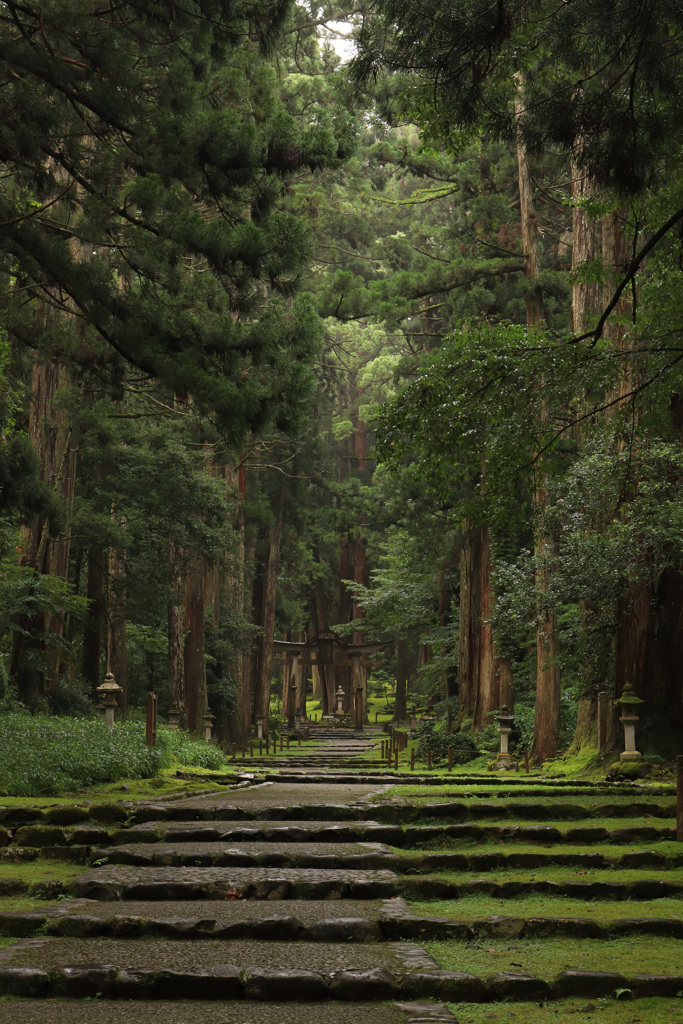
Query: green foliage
181,749
45,756
439,743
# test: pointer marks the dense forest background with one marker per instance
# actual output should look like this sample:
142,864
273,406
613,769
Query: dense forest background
389,347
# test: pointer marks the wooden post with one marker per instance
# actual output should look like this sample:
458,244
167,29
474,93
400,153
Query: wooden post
412,760
429,760
151,725
450,759
260,748
288,742
679,798
251,750
299,738
396,759
282,741
234,752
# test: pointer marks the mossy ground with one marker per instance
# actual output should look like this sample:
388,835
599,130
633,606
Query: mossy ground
41,870
23,904
550,873
666,848
545,958
473,908
577,1011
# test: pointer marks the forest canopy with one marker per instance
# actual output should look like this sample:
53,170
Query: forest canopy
387,350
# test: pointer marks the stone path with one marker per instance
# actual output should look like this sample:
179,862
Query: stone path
308,898
277,917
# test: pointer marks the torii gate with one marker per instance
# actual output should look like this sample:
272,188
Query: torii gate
328,650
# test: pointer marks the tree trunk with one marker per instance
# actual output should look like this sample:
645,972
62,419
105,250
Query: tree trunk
176,633
116,618
487,697
469,650
265,651
547,708
50,434
402,673
93,630
195,657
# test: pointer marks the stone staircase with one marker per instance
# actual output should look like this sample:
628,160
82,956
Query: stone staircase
305,898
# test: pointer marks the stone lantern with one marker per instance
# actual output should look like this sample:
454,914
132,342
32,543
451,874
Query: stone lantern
505,720
173,717
340,700
108,692
259,726
207,722
629,706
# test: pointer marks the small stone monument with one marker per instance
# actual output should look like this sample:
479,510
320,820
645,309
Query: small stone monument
173,717
207,722
505,720
629,706
108,692
340,700
259,726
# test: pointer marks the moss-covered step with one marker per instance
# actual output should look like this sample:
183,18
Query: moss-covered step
593,885
356,856
458,810
547,957
116,882
630,830
605,912
212,968
161,1011
308,920
653,1010
509,856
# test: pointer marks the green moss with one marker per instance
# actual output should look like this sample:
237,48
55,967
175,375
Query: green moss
548,873
577,1011
23,904
476,908
545,958
41,870
666,848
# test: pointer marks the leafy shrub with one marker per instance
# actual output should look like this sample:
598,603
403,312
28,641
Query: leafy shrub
464,748
181,749
44,756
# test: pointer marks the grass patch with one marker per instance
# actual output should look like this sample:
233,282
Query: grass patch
545,958
548,873
23,904
666,847
41,870
475,908
579,1011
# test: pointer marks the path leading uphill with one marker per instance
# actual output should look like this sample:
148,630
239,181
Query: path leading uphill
306,898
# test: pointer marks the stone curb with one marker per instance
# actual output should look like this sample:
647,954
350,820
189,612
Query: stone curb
393,813
391,927
375,984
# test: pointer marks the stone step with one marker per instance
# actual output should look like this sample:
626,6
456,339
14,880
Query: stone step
162,1011
228,809
409,836
357,856
361,856
131,969
119,882
312,921
214,968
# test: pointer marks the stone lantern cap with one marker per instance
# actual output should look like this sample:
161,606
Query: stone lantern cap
208,717
108,690
505,716
630,703
340,691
